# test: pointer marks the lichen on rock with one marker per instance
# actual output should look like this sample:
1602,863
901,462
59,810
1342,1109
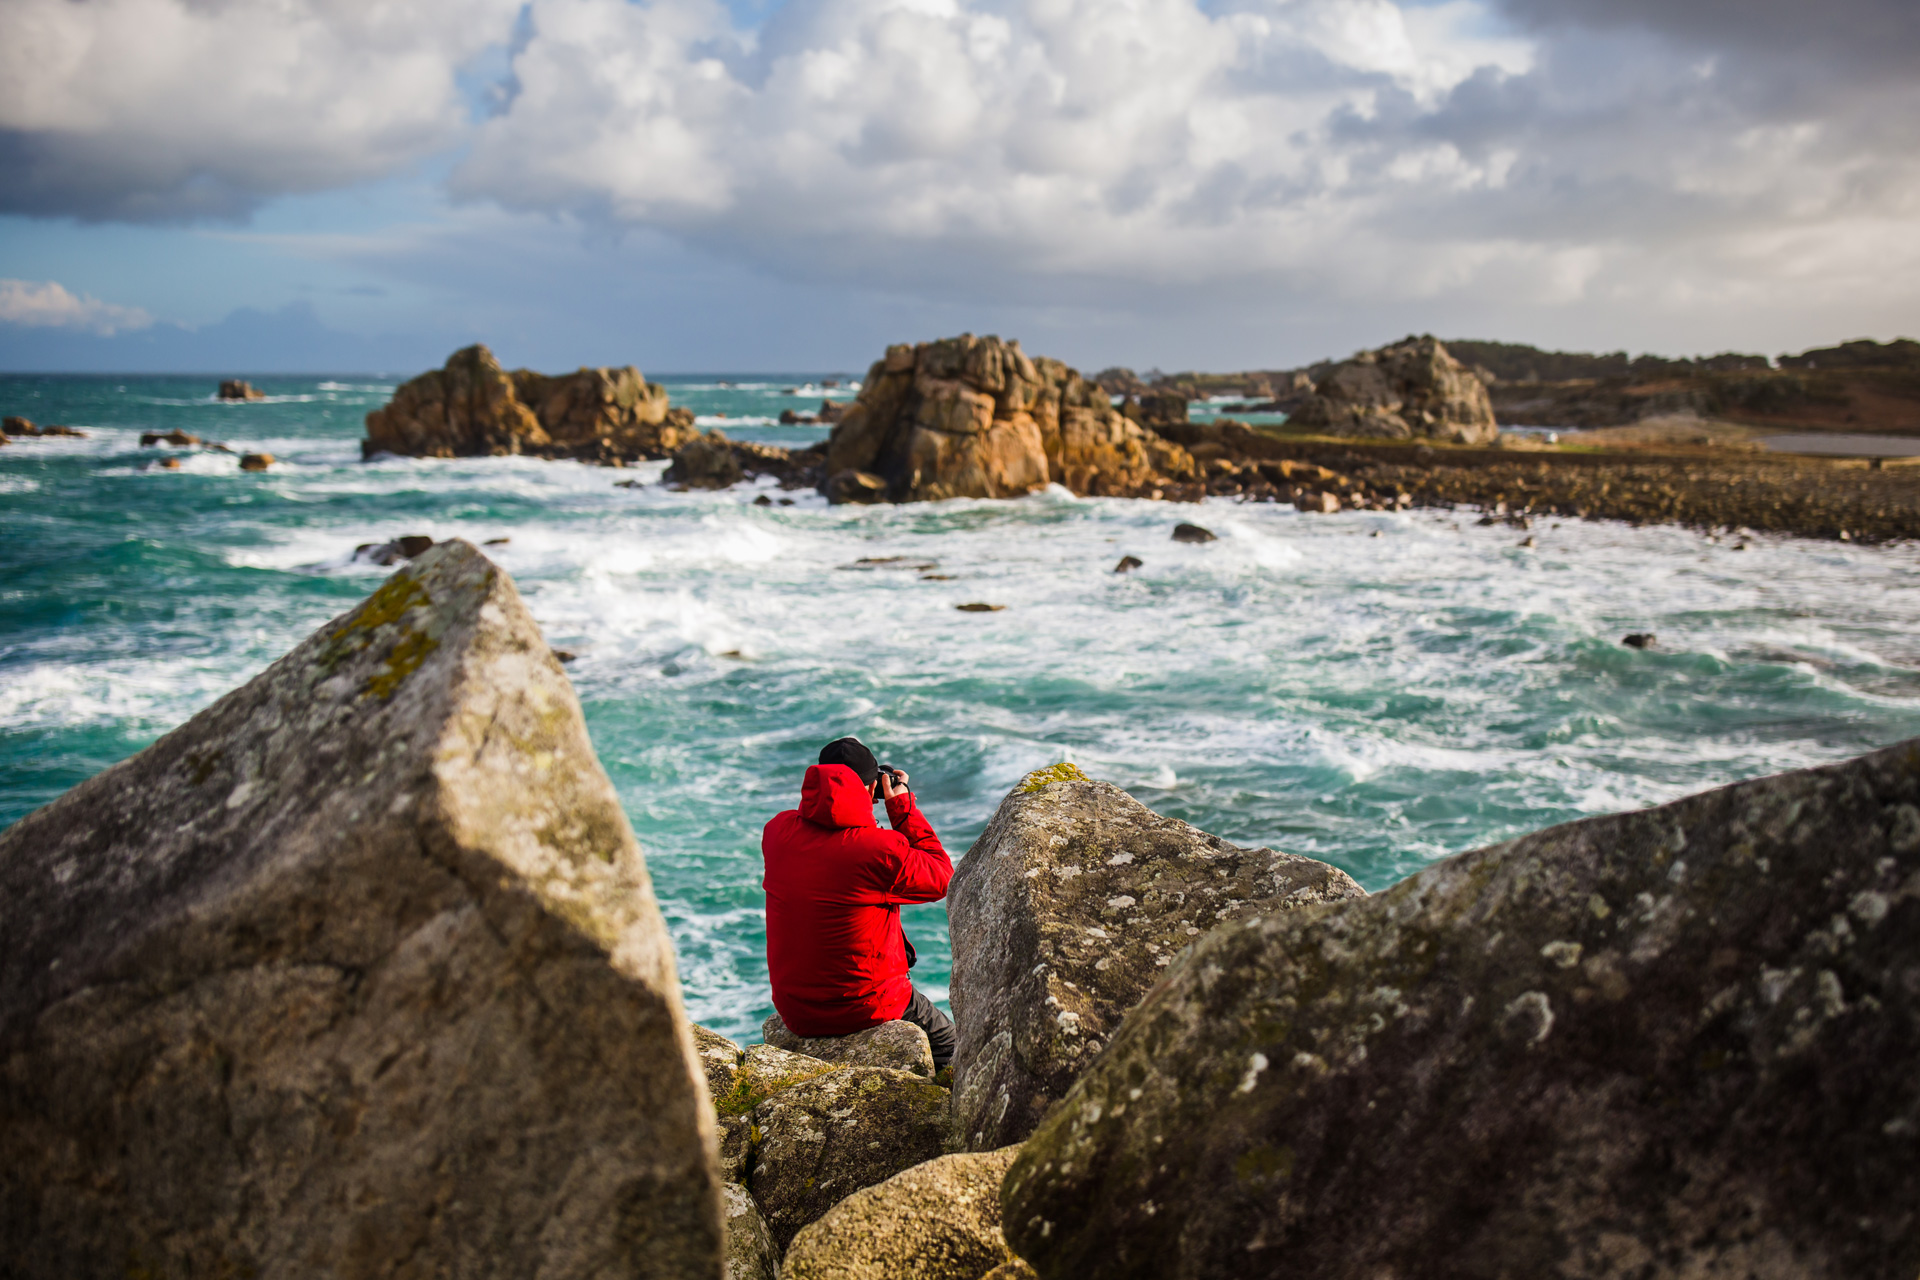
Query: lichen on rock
1071,905
370,931
1669,1042
936,1221
824,1138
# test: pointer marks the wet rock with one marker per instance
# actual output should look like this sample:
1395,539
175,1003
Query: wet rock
496,542
1070,906
979,607
1192,533
24,427
936,1221
238,389
1638,639
974,417
825,1138
900,1045
565,655
763,501
398,551
705,462
856,486
1128,564
1412,388
751,1253
366,932
16,426
1321,503
1675,1041
255,461
473,407
176,437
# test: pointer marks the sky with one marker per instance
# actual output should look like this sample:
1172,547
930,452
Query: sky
686,185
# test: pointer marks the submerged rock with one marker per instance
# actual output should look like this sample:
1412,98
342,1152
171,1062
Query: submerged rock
1069,907
1193,533
704,462
255,461
936,1221
399,551
900,1045
176,437
974,417
825,1138
361,962
1677,1041
1412,388
473,407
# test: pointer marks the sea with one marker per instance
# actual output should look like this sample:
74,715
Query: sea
1375,690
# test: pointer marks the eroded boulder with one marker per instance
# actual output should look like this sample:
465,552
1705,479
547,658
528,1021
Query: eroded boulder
1672,1042
704,462
901,1045
974,417
473,407
936,1221
825,1138
360,963
1068,908
1412,388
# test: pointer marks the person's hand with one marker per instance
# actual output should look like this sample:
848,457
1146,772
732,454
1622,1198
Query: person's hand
888,789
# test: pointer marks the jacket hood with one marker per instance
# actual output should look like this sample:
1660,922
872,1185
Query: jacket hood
834,796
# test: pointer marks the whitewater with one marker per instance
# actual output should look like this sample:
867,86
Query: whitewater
1376,690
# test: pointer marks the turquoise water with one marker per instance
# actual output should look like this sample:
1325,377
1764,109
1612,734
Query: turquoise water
1377,701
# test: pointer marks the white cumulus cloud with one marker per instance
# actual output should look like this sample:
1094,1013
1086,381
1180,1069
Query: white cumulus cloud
48,304
166,109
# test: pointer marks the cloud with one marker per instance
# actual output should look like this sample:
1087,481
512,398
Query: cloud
1116,150
159,110
46,304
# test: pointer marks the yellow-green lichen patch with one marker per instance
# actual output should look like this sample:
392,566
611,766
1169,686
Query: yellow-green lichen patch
355,633
1042,778
407,655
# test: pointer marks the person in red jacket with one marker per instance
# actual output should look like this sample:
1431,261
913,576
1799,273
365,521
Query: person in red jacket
835,883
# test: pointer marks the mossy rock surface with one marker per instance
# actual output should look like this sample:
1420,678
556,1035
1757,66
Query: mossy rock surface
1075,900
1675,1042
825,1138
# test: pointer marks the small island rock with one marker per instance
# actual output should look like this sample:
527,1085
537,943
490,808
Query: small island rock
236,389
1193,533
1412,388
255,461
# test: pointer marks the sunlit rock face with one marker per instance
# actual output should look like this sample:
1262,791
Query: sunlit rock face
360,964
1412,388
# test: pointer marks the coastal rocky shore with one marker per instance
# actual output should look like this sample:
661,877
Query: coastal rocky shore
359,971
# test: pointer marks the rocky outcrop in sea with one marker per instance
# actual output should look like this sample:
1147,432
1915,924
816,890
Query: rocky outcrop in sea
1410,389
472,407
971,417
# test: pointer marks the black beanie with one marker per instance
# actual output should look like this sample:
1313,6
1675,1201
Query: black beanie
852,753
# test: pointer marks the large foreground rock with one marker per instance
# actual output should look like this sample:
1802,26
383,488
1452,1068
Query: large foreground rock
825,1138
1412,388
358,972
897,1044
473,407
937,1221
1677,1042
1069,907
975,417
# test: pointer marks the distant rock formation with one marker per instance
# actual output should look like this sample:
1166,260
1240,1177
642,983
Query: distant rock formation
235,389
1066,911
472,407
1676,1041
1412,388
359,969
975,417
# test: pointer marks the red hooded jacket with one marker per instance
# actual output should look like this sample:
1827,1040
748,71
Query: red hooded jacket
834,883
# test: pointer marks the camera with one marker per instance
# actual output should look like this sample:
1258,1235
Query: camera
893,773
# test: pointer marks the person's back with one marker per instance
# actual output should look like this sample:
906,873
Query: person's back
835,881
